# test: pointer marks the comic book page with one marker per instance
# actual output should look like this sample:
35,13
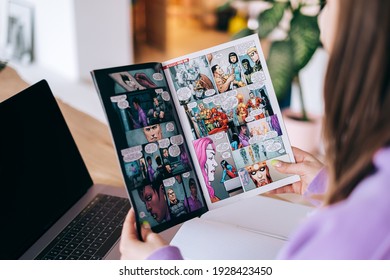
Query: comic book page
156,165
231,120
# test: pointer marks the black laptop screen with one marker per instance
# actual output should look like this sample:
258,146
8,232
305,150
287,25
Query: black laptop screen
42,173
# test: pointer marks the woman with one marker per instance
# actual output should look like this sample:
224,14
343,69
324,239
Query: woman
235,69
355,179
259,173
205,152
248,71
227,169
235,144
155,201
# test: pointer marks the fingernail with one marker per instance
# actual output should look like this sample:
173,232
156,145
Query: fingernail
146,225
276,163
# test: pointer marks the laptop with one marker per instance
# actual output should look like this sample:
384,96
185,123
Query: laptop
47,194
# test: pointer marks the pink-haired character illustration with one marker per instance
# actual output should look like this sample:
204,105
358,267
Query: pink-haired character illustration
205,152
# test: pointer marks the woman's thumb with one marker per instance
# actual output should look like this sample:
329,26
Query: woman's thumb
145,230
287,167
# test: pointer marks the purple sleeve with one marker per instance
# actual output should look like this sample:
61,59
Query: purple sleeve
166,253
357,227
142,118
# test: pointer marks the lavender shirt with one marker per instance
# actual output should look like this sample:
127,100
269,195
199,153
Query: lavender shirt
355,228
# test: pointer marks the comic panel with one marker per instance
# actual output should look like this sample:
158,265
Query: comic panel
140,110
207,117
152,157
250,60
227,70
151,133
253,104
177,197
134,165
174,158
260,174
259,151
192,190
227,111
156,161
151,203
264,129
192,79
217,166
140,79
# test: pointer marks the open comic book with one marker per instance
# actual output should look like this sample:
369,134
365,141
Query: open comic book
196,132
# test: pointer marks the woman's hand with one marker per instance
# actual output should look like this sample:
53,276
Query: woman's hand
133,249
307,167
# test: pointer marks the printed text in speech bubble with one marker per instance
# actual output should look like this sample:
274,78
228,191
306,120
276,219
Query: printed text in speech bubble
151,148
158,76
222,147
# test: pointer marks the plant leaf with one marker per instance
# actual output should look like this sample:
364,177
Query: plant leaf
280,64
269,19
305,38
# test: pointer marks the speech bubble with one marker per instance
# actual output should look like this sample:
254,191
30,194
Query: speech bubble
271,134
184,94
249,119
231,93
159,90
218,99
158,76
222,147
142,214
219,135
169,182
260,138
226,155
163,143
208,100
132,157
177,139
186,175
170,126
118,98
218,56
273,147
230,103
192,105
165,96
151,148
209,92
125,151
255,112
123,104
268,142
258,77
174,151
131,150
252,87
244,47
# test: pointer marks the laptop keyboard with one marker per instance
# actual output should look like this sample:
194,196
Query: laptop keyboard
91,234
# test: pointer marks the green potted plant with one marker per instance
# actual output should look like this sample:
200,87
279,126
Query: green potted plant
298,43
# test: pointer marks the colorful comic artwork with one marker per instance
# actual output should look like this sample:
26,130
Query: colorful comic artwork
153,154
234,127
194,131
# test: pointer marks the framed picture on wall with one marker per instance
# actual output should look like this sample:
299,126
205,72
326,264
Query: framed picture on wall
20,32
